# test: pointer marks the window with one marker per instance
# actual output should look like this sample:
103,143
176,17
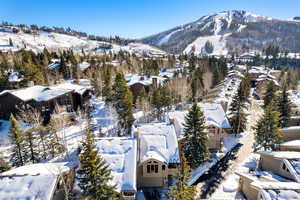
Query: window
128,193
152,168
163,167
285,168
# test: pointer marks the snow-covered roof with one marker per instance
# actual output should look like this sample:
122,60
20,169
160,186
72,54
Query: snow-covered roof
276,185
145,80
258,70
84,65
281,154
214,115
158,141
29,93
15,77
35,181
291,160
120,154
278,194
293,143
79,86
51,94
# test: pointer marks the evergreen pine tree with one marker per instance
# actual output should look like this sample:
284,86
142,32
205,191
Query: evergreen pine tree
182,191
237,116
157,103
17,141
94,174
267,130
195,137
284,107
123,103
107,89
30,144
270,94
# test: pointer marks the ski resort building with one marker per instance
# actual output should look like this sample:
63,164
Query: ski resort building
46,181
158,155
121,156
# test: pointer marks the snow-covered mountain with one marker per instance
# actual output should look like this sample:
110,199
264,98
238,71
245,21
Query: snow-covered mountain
55,41
229,31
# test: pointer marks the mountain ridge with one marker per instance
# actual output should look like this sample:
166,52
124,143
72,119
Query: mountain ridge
225,30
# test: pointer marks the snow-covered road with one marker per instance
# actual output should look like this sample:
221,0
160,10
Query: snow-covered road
228,187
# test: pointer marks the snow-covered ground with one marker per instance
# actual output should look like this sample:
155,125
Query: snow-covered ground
55,41
218,42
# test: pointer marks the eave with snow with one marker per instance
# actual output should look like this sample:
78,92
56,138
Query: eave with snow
36,181
265,188
216,121
121,156
158,155
70,94
283,163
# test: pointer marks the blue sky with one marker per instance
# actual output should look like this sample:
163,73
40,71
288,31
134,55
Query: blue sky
132,18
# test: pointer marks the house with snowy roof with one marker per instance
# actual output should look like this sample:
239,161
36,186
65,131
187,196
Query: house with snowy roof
282,163
121,156
217,123
69,95
39,97
45,181
256,187
158,154
138,82
262,82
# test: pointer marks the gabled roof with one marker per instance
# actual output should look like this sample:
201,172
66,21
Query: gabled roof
158,141
143,79
27,94
36,181
79,87
281,154
120,154
214,115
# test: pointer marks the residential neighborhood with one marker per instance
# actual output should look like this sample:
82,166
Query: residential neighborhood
209,109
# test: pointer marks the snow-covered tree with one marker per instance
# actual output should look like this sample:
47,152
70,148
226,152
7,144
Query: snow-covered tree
195,137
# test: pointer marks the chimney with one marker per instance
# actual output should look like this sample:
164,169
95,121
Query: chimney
30,83
154,82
